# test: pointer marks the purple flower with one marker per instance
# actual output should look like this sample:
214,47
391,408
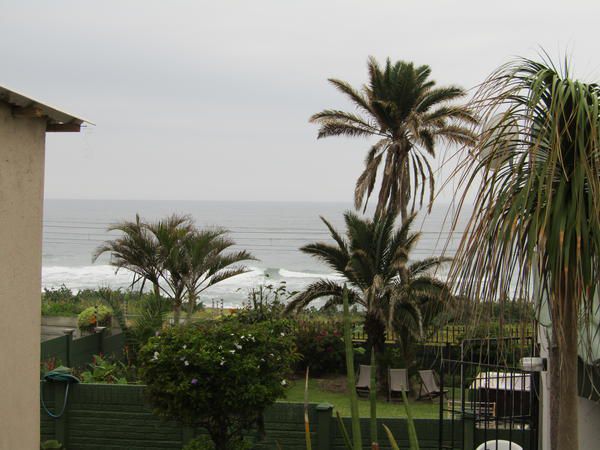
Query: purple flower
194,381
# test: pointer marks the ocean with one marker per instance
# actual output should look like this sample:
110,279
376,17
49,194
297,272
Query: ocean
272,231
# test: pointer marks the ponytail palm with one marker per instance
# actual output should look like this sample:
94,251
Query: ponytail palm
537,214
408,115
372,258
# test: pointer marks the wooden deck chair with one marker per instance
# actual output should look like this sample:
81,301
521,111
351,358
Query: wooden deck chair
429,385
397,382
363,384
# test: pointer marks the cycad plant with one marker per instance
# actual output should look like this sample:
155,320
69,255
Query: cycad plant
373,259
403,109
536,219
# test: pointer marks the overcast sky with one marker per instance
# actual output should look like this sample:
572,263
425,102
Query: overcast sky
202,100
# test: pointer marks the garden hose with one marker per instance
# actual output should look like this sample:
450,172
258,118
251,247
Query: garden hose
61,375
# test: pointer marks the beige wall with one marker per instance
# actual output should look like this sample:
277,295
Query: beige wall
21,202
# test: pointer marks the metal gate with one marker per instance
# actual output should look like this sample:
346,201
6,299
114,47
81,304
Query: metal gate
488,398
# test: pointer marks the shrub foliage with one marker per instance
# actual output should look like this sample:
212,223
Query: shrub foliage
218,375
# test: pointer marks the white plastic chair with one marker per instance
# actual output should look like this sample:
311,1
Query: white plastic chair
499,445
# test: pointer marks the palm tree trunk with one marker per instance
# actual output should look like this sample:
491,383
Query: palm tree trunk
191,306
176,311
375,330
563,379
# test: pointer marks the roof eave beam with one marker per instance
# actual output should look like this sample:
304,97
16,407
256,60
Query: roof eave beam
71,127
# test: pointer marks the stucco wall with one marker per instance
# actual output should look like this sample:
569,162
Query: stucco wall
21,203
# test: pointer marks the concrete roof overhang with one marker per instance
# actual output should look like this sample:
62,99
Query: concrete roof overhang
57,121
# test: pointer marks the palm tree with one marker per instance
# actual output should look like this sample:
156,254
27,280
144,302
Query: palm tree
135,250
170,235
179,260
536,219
408,115
206,263
419,300
373,259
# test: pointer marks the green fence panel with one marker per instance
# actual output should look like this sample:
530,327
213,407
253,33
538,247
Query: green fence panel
55,348
83,349
117,417
114,346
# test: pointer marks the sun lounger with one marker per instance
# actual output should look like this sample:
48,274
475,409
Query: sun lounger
429,385
397,382
363,384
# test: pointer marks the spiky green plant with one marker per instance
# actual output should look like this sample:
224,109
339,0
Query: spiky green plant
373,399
306,421
537,212
350,377
408,115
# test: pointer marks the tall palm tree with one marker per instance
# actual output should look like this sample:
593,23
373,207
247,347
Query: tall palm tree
373,259
408,115
537,212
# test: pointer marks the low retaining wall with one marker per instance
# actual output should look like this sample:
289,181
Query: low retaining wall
53,327
116,417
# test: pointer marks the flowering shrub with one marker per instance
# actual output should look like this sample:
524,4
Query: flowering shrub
321,346
220,375
94,316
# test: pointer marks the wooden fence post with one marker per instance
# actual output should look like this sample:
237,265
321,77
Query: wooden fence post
100,333
324,429
69,335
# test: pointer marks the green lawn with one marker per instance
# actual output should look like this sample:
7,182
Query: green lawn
328,391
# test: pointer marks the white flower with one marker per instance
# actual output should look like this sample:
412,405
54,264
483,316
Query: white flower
239,347
242,337
155,357
222,362
282,334
283,383
262,359
232,351
271,355
186,363
184,346
220,347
